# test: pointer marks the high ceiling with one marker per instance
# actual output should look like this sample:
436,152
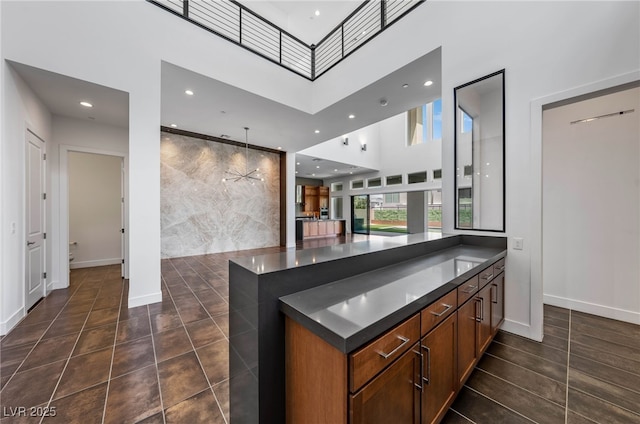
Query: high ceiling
217,108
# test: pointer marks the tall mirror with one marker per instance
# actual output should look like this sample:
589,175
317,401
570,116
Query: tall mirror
479,154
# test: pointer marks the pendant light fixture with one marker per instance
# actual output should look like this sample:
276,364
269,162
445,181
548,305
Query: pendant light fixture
247,175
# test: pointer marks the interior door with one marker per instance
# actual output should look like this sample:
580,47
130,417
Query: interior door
360,207
35,223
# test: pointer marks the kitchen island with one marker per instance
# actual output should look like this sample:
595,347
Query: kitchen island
257,326
308,228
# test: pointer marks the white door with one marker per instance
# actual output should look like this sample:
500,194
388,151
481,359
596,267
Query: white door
35,223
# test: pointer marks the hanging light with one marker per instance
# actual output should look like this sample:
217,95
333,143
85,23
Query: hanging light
247,175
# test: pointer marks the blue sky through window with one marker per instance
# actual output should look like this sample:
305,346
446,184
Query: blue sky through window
437,119
467,122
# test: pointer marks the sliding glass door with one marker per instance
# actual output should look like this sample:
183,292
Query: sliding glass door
360,214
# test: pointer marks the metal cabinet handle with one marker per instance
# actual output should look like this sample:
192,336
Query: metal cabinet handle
478,318
494,286
487,276
29,243
427,379
501,268
386,355
471,289
419,386
446,308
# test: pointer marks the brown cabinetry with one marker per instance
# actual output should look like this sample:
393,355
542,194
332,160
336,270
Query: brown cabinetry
409,374
439,376
391,397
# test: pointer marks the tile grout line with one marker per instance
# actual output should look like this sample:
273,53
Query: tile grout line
518,386
155,360
566,398
113,352
499,403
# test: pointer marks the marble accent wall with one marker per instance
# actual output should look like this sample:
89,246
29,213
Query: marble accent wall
202,214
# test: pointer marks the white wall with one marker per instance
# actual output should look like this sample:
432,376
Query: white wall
22,110
95,216
591,207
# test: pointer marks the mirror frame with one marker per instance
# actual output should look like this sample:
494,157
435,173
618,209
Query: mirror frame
455,153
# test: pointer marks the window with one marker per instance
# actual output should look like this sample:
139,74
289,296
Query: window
374,182
437,174
392,198
467,122
424,123
417,177
357,184
394,180
468,170
336,186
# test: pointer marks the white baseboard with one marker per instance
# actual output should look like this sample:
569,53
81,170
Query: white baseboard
6,326
593,308
99,262
145,300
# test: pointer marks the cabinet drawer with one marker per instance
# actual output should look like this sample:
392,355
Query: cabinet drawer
498,267
438,311
485,276
374,357
467,289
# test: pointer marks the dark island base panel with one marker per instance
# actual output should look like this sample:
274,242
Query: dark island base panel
257,327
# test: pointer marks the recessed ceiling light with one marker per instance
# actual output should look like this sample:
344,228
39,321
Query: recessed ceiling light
317,166
313,175
405,85
296,172
188,92
279,147
297,163
350,172
317,131
335,170
428,83
384,102
173,125
352,116
86,104
317,13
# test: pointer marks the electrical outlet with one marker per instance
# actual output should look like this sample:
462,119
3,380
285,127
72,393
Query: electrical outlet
518,243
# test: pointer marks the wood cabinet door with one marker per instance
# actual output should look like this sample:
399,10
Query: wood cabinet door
440,377
467,339
391,397
484,324
497,303
313,228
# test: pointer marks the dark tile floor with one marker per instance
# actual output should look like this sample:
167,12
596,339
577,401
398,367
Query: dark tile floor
587,370
84,354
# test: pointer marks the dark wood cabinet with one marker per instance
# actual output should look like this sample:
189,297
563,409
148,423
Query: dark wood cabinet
391,397
484,319
467,339
439,368
497,303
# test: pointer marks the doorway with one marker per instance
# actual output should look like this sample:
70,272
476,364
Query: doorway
94,201
360,206
35,196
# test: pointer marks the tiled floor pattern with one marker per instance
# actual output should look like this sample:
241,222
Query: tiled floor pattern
82,352
587,370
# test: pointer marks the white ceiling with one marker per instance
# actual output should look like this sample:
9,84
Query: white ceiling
218,108
319,168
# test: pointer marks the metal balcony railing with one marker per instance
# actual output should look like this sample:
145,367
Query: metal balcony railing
238,24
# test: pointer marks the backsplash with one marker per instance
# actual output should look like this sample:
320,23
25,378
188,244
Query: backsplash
202,214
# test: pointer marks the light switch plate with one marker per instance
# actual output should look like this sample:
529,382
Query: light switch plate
518,243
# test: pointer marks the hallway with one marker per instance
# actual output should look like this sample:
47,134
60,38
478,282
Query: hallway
86,357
